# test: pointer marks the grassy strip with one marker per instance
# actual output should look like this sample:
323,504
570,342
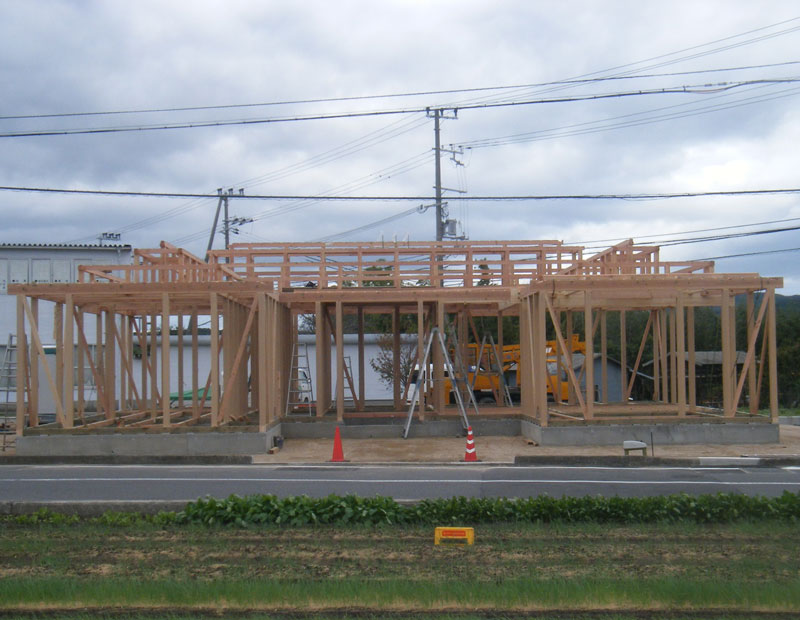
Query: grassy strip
664,593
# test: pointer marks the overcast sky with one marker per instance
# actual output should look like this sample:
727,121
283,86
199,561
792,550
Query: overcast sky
62,57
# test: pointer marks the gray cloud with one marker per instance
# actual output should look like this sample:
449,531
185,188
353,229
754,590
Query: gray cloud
62,56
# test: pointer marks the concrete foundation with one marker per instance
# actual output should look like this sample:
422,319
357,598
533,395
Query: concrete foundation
234,442
661,434
147,444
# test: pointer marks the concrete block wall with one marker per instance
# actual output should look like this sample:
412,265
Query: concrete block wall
662,434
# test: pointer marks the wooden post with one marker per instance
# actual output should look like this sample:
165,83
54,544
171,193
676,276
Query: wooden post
58,337
362,378
751,371
33,392
82,353
440,395
22,365
68,378
773,355
728,363
420,352
526,370
623,353
673,348
603,355
339,362
397,391
215,396
323,352
181,383
165,397
656,355
588,361
538,328
262,378
572,399
109,367
692,359
196,404
680,348
153,359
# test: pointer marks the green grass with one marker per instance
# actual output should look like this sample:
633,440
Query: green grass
679,566
523,593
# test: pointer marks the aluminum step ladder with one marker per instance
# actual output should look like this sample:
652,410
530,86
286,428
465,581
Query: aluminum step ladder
423,379
8,377
300,395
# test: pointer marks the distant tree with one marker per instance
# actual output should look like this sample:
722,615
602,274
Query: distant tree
383,363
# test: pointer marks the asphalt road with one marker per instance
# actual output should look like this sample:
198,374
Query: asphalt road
86,483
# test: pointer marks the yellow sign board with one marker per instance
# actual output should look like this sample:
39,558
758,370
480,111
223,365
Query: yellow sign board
454,535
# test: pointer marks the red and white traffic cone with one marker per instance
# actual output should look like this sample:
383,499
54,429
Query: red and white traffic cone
470,454
338,453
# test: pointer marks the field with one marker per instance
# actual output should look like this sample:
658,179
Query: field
742,570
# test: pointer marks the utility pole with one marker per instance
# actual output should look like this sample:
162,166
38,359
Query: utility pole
441,209
437,114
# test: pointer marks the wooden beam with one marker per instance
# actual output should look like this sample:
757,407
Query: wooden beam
340,363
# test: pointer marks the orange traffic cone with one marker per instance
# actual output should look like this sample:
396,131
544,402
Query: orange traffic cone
470,454
338,453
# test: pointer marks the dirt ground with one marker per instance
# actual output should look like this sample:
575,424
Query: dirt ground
501,449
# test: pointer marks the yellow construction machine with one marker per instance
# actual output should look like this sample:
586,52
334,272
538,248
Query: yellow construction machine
484,378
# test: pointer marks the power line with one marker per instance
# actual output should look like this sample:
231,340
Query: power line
685,232
450,91
762,252
382,198
686,89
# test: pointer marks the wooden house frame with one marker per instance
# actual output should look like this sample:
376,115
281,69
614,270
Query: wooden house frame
252,295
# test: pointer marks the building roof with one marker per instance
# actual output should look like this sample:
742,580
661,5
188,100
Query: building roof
67,246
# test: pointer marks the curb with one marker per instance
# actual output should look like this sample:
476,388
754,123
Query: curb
120,459
650,461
